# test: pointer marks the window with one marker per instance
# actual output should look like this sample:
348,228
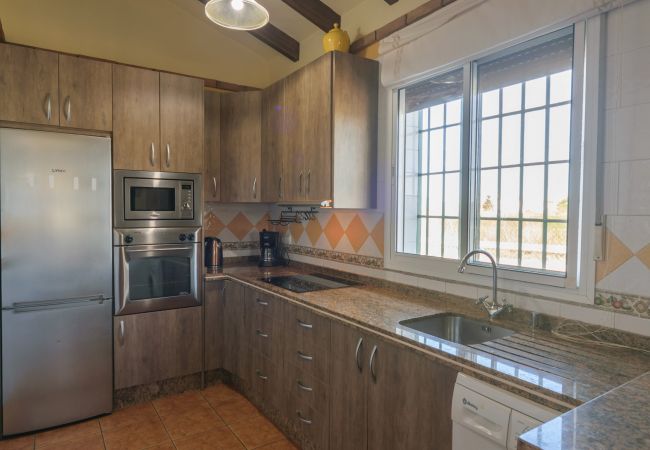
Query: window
484,159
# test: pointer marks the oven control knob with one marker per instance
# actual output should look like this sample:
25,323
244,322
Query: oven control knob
128,239
182,237
190,237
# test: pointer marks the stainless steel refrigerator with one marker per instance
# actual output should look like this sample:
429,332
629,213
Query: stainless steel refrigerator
55,245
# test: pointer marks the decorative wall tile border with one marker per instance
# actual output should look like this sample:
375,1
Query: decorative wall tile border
331,255
241,245
635,305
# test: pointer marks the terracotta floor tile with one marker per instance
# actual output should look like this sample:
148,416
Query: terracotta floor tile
220,394
256,431
220,438
18,443
89,442
68,433
136,436
199,419
177,404
165,446
237,410
128,416
280,445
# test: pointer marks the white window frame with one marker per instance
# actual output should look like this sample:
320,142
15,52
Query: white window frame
579,283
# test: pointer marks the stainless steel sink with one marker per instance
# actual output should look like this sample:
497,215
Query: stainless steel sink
455,328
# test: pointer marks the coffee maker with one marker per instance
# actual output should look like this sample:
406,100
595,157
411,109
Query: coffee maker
270,248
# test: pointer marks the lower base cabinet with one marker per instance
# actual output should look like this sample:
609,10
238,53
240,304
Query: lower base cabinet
155,346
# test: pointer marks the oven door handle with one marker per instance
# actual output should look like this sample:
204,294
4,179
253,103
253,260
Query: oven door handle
157,249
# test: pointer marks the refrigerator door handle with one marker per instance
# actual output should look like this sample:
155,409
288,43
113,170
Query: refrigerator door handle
36,306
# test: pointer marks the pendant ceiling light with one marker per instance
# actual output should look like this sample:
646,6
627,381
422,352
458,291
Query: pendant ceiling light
237,14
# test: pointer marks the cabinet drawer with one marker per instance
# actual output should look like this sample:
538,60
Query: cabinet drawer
265,336
266,304
313,360
305,387
266,381
305,328
310,424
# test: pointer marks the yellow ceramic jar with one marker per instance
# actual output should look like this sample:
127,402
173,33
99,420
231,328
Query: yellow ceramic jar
336,40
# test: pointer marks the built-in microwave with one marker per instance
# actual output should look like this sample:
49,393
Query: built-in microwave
156,199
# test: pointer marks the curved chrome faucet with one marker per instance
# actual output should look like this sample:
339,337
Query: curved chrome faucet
493,308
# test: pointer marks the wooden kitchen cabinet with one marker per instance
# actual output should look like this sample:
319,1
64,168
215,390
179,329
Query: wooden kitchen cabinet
136,118
295,116
29,85
273,141
241,144
234,325
157,346
213,324
212,148
86,90
181,123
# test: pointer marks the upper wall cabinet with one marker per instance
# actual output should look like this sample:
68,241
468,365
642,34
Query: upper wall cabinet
241,146
86,90
157,121
273,142
212,148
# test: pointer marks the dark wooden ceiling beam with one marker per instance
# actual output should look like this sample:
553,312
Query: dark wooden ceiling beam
316,12
277,39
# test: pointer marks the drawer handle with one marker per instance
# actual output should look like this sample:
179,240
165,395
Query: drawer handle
261,376
303,387
304,356
357,353
262,302
261,334
121,332
372,363
305,324
302,419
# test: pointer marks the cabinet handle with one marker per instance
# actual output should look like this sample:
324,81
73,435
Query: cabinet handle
169,154
308,182
261,334
261,376
67,109
152,155
48,107
357,354
303,387
121,332
261,302
372,363
304,356
255,187
214,185
300,183
280,188
304,324
302,419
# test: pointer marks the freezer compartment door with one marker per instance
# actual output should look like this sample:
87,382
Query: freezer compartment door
57,364
55,214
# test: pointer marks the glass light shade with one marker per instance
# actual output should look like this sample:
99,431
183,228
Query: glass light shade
237,14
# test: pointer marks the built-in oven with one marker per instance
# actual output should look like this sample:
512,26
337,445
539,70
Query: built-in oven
156,269
156,199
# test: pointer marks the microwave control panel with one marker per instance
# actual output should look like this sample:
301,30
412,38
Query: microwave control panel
187,198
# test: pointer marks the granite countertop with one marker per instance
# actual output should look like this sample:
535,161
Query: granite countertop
532,363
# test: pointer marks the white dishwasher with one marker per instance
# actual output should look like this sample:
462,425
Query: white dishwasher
488,418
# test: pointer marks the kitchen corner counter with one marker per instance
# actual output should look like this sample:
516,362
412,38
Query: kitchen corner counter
531,363
618,419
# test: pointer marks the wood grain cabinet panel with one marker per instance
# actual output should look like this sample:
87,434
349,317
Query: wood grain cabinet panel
86,90
213,324
295,117
273,141
212,149
181,123
29,85
136,119
241,142
156,346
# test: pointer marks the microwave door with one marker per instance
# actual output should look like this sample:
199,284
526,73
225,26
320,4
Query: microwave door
146,199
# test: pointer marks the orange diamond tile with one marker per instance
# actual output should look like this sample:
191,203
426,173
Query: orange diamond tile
616,254
296,230
264,223
357,233
644,255
213,226
314,231
377,235
334,231
240,226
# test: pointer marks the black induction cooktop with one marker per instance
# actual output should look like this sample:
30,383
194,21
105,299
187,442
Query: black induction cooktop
308,282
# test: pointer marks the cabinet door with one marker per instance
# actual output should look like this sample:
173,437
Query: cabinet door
29,86
295,119
241,143
181,123
348,375
235,350
272,142
212,149
213,324
318,131
86,90
136,118
156,346
409,400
